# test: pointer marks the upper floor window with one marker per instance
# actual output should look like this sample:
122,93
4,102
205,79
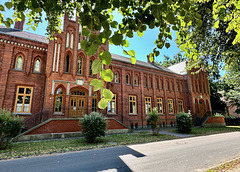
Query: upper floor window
136,80
23,99
127,79
150,82
79,65
116,78
19,63
37,65
67,64
157,83
112,105
67,40
90,67
71,43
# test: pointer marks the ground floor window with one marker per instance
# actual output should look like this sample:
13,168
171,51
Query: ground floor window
132,104
58,100
170,106
112,105
180,105
148,108
94,102
159,105
23,99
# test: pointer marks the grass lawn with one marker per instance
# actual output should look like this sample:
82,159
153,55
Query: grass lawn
25,149
212,130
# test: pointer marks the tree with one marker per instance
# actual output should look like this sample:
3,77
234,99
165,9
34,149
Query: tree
99,25
169,62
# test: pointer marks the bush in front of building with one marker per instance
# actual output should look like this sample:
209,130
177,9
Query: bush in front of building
10,127
184,122
154,122
232,121
93,126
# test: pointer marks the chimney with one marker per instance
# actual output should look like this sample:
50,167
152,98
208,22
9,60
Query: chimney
148,56
19,24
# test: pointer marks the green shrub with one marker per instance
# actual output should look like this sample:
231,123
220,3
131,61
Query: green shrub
93,126
184,122
10,127
218,115
154,121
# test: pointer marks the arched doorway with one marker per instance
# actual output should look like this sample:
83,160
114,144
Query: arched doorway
77,103
201,107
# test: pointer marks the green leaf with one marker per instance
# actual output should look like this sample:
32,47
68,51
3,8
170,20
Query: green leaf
96,66
92,49
151,57
131,53
21,6
167,45
125,43
103,103
133,60
140,34
129,34
107,94
170,18
84,45
199,23
117,39
105,57
107,75
97,84
8,5
85,32
216,24
2,8
33,28
125,52
114,24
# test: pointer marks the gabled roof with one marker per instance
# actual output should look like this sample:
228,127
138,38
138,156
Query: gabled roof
179,68
23,34
140,63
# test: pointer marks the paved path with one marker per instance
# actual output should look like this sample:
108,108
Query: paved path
176,134
183,155
180,155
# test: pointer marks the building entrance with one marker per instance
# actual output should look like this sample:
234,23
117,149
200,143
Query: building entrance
77,104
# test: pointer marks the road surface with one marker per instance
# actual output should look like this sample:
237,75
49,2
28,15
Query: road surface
188,154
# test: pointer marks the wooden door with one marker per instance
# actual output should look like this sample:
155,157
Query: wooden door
201,108
81,110
77,104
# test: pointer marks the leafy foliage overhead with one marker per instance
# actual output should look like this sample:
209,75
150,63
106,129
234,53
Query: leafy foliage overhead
96,17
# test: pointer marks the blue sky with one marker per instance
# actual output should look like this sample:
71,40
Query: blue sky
142,46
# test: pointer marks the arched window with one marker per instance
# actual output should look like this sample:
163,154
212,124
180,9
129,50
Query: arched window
37,65
58,100
79,65
67,64
136,80
116,78
71,44
19,63
127,79
90,67
145,81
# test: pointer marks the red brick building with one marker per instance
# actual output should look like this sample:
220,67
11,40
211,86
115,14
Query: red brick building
38,76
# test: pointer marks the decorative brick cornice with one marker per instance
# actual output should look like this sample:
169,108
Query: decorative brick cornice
23,45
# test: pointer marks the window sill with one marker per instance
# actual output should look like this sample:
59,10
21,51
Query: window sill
36,72
67,73
128,84
58,113
15,113
18,70
171,114
112,114
116,82
136,85
133,114
160,114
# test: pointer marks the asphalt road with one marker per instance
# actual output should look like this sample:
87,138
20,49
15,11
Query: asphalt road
189,154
